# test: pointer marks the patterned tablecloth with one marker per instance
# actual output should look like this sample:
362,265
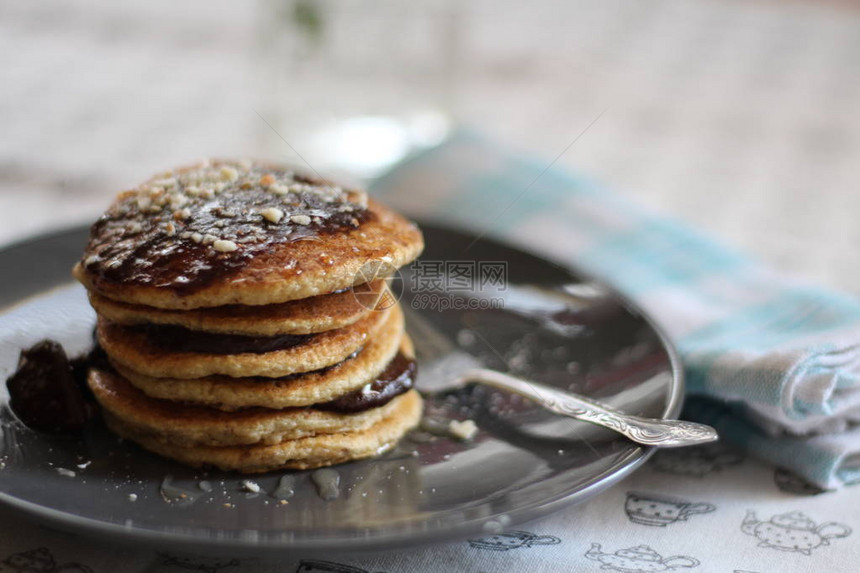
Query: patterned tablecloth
703,510
739,117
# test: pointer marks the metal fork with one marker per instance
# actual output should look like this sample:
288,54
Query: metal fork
445,367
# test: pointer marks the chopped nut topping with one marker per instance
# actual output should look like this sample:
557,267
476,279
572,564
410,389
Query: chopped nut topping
272,214
177,201
232,206
279,189
167,182
224,246
250,486
229,173
267,180
464,430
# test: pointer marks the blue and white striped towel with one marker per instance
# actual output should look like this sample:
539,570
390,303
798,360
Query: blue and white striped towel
780,357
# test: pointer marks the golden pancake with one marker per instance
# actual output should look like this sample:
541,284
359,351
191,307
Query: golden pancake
190,425
135,350
225,233
304,316
298,390
302,453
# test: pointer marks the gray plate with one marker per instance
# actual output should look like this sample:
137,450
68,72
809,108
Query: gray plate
524,463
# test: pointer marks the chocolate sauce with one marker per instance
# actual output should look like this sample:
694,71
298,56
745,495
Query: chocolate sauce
146,240
48,392
95,358
397,378
169,338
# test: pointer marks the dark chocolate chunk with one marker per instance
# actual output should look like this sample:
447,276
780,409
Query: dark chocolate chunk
44,392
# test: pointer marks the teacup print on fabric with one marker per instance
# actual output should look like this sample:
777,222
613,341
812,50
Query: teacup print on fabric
639,559
513,540
792,531
659,510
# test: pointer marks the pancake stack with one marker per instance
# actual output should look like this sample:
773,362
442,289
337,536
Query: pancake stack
246,320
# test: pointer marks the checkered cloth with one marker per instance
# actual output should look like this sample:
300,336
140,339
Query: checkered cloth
772,362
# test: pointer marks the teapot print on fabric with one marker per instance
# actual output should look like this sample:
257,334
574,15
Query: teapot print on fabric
792,532
639,559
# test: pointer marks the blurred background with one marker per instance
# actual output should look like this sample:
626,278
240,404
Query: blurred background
740,117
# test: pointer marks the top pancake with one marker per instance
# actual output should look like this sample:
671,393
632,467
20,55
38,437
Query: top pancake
223,233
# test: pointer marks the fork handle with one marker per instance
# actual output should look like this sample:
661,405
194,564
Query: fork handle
645,431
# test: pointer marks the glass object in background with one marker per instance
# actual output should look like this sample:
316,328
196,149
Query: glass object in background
355,85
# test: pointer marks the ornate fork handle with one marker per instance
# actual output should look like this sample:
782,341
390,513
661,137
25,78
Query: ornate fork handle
646,431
